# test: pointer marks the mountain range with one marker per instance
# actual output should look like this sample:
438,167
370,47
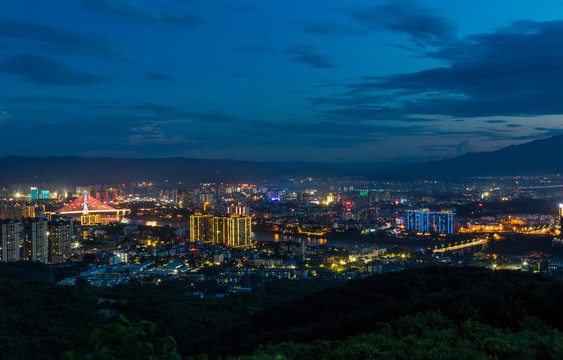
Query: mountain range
538,157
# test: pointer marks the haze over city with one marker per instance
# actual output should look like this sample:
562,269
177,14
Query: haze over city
322,81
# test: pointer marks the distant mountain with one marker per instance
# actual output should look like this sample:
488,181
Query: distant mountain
538,157
81,171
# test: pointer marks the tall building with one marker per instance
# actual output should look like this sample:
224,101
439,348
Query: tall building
232,230
34,240
221,230
59,236
422,220
240,231
9,240
561,216
201,228
16,211
34,193
430,221
44,194
445,222
111,195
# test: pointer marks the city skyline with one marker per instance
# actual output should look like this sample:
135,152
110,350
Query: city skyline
319,81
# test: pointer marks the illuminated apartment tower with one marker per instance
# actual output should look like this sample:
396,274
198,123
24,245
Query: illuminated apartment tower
240,230
445,222
201,228
16,211
561,216
59,236
111,195
35,242
430,221
34,193
221,226
9,240
422,220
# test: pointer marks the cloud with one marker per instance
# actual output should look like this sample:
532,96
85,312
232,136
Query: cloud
308,54
167,112
158,76
4,115
464,147
43,70
61,40
513,71
133,9
408,18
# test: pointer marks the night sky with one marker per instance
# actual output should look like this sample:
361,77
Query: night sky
323,81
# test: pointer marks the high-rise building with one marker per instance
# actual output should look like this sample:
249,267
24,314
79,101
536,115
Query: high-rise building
9,240
221,230
44,194
422,220
430,221
33,193
239,231
111,195
59,236
229,230
35,243
445,222
561,216
16,211
201,228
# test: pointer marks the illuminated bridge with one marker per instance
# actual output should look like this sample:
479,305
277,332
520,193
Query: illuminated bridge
460,246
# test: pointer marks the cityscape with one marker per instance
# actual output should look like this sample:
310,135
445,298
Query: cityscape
207,180
295,228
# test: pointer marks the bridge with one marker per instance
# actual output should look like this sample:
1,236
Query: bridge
460,246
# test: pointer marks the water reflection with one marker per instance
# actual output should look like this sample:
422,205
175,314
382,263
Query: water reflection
349,243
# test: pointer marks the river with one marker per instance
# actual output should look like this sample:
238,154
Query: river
352,242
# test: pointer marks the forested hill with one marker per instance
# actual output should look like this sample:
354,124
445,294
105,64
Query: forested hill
465,313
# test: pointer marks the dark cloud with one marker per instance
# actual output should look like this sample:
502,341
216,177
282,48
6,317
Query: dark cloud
495,121
43,70
255,49
375,113
514,71
166,112
158,76
409,18
513,125
135,10
308,54
60,40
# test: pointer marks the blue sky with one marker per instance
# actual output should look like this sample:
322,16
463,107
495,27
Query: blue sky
324,81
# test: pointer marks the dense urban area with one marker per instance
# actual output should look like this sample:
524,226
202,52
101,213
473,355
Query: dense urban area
218,239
